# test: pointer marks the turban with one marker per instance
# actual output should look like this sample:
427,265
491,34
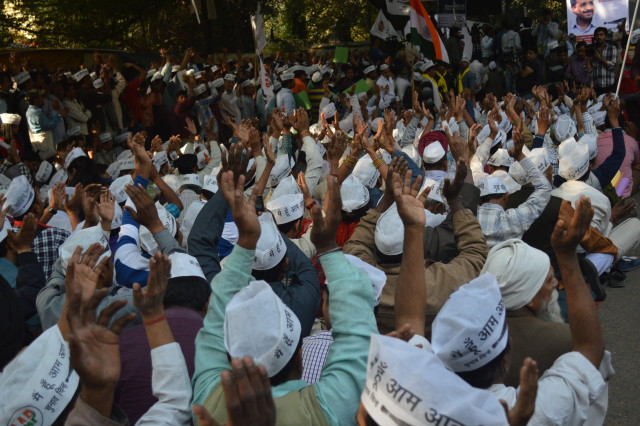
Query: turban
431,137
520,270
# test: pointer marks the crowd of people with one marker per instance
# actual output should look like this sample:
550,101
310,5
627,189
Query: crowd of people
425,243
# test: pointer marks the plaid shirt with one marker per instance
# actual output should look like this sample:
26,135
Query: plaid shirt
24,170
605,75
314,354
46,246
499,225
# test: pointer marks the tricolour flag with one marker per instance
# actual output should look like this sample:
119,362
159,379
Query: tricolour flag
424,33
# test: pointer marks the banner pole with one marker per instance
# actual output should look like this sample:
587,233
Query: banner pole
626,50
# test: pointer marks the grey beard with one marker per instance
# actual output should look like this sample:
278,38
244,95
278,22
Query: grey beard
550,310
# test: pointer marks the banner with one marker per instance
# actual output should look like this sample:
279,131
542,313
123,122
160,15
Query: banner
452,13
383,29
584,16
265,83
398,7
257,23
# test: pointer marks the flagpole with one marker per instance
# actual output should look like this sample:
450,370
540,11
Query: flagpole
626,50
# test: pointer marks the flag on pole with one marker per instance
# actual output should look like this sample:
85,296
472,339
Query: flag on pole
383,29
257,23
265,83
424,33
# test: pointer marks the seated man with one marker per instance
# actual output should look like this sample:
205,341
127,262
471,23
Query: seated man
245,326
499,224
528,288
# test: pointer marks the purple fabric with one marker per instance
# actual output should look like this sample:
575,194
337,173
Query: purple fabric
133,393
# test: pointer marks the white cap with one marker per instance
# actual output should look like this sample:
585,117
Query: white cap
6,118
122,137
105,137
552,44
114,169
219,82
147,242
230,77
98,83
564,127
471,328
21,77
45,361
484,133
354,194
127,153
316,77
210,183
127,164
436,190
365,172
44,171
369,69
491,185
377,277
258,324
78,76
84,238
465,59
271,248
591,141
329,110
286,186
413,153
375,123
520,270
492,65
501,158
172,181
501,137
540,158
281,169
191,179
574,159
246,83
598,118
159,158
117,216
200,89
384,67
315,129
389,234
286,208
19,196
72,155
433,153
287,76
505,124
117,188
59,176
410,386
184,265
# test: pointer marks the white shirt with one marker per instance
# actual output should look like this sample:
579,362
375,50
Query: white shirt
510,41
487,46
387,82
571,392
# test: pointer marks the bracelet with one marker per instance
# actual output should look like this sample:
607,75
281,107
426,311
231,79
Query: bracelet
350,162
329,251
155,321
312,205
334,175
378,162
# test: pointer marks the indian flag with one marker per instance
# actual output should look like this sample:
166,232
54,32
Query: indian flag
424,33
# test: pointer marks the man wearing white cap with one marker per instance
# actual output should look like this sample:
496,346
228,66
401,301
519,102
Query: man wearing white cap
247,103
382,247
278,331
475,345
527,284
284,98
499,224
229,100
41,125
466,78
385,81
288,211
77,113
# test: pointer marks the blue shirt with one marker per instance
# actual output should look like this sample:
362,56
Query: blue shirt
285,99
39,122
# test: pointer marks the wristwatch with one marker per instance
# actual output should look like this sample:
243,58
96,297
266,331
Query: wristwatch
52,210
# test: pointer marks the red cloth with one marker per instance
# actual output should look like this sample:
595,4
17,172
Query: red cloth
430,138
130,96
345,231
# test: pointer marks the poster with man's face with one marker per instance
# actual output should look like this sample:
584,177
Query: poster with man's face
584,16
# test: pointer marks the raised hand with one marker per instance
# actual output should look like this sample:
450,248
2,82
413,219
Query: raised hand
243,211
323,233
146,213
106,209
520,414
451,190
300,120
149,300
518,145
543,119
566,236
23,239
410,204
83,271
